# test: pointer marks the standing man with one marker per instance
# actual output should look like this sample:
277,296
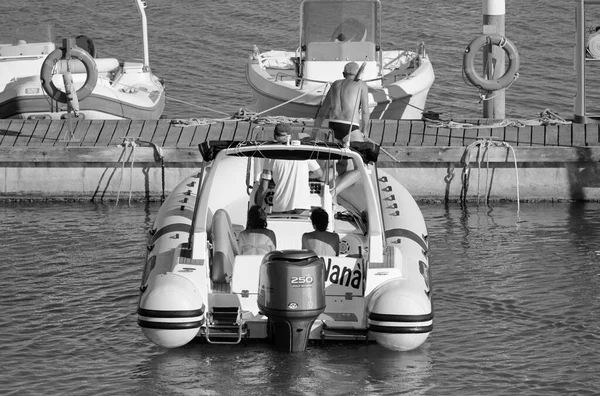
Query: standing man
291,177
346,104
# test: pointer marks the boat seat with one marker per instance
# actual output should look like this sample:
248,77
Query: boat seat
289,231
86,43
331,71
328,51
104,65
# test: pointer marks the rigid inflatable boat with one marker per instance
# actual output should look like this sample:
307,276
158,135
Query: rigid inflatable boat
332,33
39,80
197,285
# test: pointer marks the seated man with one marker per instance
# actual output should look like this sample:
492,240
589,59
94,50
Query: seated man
292,191
321,241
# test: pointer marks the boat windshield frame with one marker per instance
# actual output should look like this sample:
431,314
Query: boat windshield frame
292,151
28,33
297,150
348,16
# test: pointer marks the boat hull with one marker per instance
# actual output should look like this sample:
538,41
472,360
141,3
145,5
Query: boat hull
25,99
278,95
34,75
365,293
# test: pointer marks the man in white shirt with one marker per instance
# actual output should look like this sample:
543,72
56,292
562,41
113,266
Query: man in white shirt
291,177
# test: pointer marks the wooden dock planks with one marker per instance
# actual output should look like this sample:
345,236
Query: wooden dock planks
410,134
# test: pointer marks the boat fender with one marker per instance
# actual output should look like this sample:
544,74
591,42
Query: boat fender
504,81
60,54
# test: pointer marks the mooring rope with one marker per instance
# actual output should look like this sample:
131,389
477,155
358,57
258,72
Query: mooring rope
125,144
133,146
246,115
547,117
134,142
466,160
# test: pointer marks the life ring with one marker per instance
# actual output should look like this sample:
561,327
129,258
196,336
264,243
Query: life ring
509,75
60,54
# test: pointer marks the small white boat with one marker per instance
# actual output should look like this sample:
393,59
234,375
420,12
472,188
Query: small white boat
332,33
38,82
197,285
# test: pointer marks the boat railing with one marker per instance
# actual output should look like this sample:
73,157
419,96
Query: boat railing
301,80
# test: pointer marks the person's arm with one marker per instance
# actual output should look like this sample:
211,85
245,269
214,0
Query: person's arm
263,186
314,170
364,107
323,110
304,242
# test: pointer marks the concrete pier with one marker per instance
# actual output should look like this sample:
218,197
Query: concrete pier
474,161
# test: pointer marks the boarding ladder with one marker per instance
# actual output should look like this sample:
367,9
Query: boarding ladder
224,325
330,332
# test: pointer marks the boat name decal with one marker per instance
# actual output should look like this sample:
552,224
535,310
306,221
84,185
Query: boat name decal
343,276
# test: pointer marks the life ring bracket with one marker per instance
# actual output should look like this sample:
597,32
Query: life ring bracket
509,76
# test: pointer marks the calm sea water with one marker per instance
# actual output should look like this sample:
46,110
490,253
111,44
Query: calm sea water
516,297
516,312
200,48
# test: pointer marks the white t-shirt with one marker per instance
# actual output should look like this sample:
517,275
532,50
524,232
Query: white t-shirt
291,183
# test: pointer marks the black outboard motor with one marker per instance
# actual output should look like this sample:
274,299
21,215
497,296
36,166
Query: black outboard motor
291,293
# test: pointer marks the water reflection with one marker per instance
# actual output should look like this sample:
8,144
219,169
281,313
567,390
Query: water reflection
258,369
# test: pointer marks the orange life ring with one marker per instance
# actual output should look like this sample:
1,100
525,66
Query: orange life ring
60,54
511,73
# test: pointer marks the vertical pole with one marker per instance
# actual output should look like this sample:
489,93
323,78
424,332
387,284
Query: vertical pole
141,8
579,105
493,23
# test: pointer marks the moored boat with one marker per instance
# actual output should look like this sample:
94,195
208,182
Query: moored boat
39,80
197,283
294,83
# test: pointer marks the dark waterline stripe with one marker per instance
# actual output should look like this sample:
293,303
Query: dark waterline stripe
400,318
400,329
181,227
168,326
170,314
404,233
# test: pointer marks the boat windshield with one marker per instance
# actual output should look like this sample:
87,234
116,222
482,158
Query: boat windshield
340,21
38,33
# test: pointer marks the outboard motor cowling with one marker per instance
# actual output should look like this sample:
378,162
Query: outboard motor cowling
291,293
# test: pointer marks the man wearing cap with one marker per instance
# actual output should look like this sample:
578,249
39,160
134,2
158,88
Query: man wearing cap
292,191
346,104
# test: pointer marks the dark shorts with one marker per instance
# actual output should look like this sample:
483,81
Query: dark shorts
341,129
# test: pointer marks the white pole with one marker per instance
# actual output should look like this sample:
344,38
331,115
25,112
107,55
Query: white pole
493,23
141,8
579,106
